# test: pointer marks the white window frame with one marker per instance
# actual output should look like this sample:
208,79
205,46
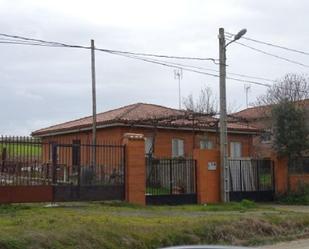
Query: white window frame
149,145
206,144
178,147
235,153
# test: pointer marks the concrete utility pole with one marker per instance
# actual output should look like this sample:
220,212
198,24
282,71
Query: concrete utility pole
223,128
94,105
224,169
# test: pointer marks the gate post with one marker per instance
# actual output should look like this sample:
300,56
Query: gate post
281,174
207,175
135,168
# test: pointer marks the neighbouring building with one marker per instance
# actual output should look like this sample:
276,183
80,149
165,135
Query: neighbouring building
260,117
296,171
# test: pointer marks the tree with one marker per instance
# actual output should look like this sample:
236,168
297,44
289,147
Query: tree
206,102
292,87
289,129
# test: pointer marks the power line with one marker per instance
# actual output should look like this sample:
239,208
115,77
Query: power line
181,65
133,55
52,43
171,65
26,41
272,45
270,54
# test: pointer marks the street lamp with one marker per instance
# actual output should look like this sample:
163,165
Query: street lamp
224,169
237,36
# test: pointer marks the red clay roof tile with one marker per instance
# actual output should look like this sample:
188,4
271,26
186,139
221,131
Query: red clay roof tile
139,113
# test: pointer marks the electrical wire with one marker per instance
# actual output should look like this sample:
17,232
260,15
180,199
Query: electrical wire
52,43
20,40
10,39
167,64
272,55
271,44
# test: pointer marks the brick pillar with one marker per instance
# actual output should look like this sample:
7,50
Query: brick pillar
281,174
135,168
207,178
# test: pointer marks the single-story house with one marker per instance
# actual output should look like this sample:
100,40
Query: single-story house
168,132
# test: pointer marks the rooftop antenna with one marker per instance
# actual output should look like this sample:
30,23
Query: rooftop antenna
178,76
247,88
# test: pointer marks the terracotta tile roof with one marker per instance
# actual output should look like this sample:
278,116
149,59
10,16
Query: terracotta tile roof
258,112
141,114
253,112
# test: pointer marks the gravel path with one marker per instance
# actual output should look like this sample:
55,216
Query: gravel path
297,244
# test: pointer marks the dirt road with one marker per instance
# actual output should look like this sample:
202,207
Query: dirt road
298,244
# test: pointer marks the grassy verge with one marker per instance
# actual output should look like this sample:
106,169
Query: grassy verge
117,225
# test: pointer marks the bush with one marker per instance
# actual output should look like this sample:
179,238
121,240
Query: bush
300,196
248,204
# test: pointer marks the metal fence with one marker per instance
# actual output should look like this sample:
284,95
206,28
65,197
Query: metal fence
170,176
249,175
28,161
299,165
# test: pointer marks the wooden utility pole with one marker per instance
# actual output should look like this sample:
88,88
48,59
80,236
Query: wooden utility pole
94,105
223,118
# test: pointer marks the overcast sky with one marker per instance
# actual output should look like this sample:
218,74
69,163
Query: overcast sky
42,86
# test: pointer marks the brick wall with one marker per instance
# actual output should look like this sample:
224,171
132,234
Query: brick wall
163,139
208,181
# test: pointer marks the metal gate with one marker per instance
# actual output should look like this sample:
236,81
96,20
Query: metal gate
251,179
170,181
35,171
78,177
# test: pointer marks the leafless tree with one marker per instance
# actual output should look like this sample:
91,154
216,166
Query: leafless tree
206,102
291,88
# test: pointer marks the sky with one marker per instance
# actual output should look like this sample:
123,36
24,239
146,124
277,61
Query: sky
42,86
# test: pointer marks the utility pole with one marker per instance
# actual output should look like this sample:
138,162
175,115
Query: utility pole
223,122
94,105
224,168
178,76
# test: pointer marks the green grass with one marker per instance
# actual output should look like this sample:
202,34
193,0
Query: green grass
157,191
21,149
120,225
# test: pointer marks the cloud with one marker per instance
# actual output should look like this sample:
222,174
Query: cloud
43,86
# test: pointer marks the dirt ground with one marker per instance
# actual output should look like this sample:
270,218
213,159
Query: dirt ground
298,244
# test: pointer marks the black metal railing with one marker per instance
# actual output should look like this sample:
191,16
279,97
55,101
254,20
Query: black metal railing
299,165
249,175
29,161
170,176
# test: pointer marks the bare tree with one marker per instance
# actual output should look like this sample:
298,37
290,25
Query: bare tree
206,102
291,88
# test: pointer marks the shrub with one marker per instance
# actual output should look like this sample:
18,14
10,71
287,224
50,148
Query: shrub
300,196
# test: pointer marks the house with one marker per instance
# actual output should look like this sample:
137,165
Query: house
260,117
168,132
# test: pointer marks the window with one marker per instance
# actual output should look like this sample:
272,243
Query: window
177,148
76,152
235,149
206,144
149,145
266,137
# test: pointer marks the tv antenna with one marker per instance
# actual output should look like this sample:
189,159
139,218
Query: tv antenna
247,88
178,76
